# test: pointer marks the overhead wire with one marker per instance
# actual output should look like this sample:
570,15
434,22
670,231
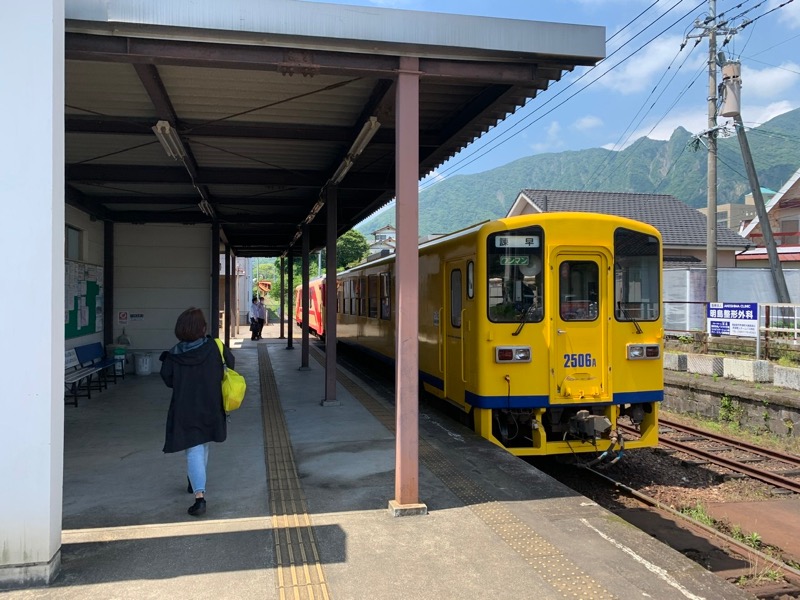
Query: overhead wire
611,158
506,136
664,115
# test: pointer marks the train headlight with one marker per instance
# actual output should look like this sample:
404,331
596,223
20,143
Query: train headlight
643,351
504,354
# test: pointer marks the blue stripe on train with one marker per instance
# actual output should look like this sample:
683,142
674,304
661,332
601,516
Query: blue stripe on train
538,401
543,401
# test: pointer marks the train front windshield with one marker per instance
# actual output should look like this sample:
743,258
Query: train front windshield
515,279
636,276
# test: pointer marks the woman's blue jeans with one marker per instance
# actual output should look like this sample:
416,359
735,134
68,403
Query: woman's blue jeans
196,463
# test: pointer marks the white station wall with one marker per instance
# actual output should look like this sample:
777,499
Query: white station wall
32,196
159,271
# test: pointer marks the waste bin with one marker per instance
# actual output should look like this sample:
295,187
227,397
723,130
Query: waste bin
142,360
119,357
119,353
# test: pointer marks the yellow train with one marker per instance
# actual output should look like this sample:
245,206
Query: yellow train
545,329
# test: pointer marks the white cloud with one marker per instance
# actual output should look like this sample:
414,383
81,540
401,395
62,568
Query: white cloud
395,4
638,72
762,114
433,177
552,141
769,83
789,14
695,121
691,120
587,122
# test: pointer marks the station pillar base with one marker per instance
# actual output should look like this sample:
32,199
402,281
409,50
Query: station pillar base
406,510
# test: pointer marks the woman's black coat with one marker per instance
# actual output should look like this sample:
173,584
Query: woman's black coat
195,412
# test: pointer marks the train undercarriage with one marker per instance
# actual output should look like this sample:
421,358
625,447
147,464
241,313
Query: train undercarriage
569,429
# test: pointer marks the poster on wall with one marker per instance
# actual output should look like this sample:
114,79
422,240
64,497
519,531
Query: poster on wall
83,299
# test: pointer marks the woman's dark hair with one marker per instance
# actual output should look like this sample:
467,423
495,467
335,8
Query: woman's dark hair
191,325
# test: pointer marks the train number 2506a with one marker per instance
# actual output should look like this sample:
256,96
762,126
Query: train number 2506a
579,360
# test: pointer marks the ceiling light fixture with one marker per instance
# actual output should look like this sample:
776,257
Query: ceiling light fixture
170,140
369,129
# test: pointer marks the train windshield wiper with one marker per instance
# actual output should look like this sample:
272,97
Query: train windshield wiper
628,317
524,319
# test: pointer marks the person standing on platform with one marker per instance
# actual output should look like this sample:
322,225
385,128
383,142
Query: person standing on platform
263,312
253,315
266,311
193,368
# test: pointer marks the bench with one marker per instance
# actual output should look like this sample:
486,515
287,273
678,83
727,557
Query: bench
93,356
76,377
81,364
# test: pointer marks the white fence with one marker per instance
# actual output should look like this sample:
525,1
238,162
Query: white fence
685,297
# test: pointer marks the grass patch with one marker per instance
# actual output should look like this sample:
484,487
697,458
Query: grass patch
785,443
699,513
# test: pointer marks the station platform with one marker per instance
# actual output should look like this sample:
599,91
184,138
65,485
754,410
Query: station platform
297,506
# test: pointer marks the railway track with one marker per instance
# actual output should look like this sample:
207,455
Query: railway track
775,468
789,589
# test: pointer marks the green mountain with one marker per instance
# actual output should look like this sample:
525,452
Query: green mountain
676,166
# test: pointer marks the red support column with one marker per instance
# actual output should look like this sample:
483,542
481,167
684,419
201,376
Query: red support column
305,300
331,225
406,500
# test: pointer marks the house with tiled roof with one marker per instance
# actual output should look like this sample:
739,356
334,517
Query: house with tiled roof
383,239
683,229
783,211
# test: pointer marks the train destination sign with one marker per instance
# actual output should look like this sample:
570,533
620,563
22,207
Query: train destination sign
513,260
516,241
740,319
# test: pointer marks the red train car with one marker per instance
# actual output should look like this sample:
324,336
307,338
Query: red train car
316,315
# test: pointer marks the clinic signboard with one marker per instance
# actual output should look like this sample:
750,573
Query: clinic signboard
735,318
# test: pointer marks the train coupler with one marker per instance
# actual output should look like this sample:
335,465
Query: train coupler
586,426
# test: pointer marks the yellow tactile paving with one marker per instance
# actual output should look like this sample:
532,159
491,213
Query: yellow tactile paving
545,559
300,575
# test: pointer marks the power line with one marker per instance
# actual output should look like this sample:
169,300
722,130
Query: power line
508,133
602,167
499,141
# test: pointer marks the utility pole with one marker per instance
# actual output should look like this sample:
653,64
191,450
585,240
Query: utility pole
711,218
708,27
731,84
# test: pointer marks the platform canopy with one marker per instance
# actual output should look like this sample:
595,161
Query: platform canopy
243,111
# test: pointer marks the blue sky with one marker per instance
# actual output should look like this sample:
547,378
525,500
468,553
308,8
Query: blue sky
665,86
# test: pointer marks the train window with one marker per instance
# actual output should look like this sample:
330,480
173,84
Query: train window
372,294
352,304
362,296
386,304
577,290
515,284
637,274
470,279
455,298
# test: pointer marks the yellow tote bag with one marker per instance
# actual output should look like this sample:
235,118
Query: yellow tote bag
233,385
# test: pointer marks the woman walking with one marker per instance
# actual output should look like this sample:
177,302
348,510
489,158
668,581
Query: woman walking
193,368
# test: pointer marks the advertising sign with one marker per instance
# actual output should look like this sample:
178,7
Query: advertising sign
739,319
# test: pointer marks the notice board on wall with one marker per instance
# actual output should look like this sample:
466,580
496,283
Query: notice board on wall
83,299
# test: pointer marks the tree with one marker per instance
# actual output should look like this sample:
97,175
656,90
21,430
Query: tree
351,249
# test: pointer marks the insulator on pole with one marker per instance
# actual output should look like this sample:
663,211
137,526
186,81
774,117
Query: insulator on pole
732,89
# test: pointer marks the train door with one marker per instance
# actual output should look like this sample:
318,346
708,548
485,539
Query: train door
580,318
454,334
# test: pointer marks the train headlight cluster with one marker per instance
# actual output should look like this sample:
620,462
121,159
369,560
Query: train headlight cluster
643,351
505,354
